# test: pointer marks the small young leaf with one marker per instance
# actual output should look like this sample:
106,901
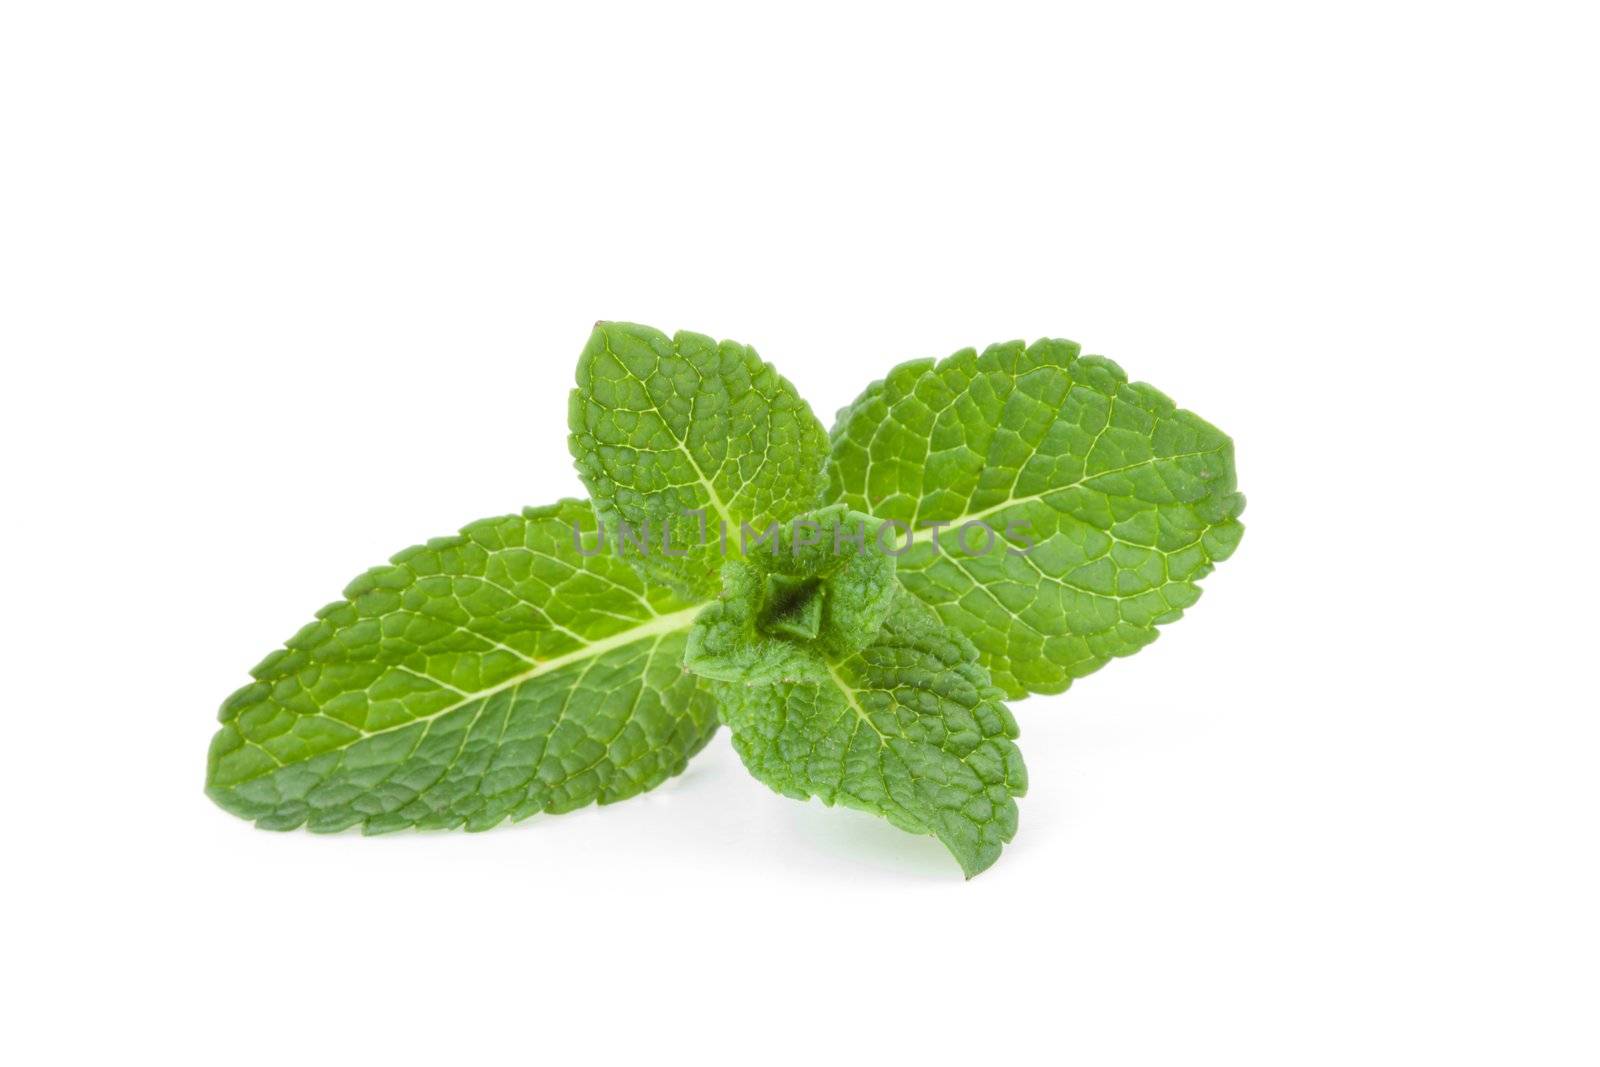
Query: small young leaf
1127,502
493,674
908,728
663,426
820,592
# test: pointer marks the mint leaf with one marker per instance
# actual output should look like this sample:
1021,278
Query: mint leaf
490,675
1127,500
908,728
665,426
820,591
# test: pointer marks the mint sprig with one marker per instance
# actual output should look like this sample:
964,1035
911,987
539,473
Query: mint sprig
853,606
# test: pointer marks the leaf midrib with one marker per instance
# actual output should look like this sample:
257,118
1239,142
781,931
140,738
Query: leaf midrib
657,627
925,534
682,444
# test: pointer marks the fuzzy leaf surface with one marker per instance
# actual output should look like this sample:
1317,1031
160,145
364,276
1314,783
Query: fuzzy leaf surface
820,591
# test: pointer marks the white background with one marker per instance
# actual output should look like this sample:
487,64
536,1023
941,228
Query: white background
287,287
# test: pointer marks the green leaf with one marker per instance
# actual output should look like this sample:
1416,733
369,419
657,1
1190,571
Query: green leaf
490,675
908,728
664,426
1127,500
820,591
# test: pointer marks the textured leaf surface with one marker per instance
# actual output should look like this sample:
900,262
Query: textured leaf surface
820,593
1129,502
909,728
480,677
663,425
